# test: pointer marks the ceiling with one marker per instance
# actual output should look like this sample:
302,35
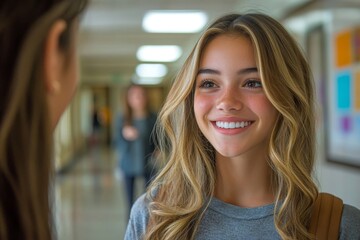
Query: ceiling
111,32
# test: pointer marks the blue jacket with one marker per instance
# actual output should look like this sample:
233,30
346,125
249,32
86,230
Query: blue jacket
135,156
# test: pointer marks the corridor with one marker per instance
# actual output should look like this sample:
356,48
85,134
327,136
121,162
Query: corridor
90,200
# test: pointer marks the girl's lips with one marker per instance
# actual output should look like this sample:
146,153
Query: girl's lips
231,127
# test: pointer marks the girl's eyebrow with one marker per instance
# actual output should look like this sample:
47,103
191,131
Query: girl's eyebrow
208,71
247,70
217,72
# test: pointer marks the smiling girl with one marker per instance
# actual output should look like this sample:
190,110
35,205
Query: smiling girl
238,137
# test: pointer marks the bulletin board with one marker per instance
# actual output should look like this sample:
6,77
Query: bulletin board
343,107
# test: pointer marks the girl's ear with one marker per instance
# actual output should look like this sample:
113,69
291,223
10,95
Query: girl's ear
53,57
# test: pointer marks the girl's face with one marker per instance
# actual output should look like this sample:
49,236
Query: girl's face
137,98
231,108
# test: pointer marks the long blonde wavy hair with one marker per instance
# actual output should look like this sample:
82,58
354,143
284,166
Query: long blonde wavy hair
187,180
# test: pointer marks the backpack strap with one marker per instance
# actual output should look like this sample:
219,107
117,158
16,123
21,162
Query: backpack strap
326,217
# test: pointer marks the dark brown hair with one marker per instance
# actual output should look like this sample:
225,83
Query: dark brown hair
25,134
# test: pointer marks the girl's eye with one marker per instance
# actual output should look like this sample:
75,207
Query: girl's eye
253,84
207,84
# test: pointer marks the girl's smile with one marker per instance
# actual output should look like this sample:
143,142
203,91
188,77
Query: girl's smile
230,126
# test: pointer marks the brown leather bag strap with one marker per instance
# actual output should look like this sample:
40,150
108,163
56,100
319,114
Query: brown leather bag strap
326,217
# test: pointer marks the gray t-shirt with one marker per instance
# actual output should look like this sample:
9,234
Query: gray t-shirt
226,221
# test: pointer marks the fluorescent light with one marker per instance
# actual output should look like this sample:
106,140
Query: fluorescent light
151,70
148,81
174,21
159,53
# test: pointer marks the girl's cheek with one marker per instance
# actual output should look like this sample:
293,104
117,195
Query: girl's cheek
262,105
201,101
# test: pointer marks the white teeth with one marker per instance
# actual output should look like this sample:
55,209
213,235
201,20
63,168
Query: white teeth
230,125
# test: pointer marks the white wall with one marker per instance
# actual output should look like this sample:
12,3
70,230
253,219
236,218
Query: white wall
338,179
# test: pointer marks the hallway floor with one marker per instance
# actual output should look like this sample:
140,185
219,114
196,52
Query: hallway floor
90,199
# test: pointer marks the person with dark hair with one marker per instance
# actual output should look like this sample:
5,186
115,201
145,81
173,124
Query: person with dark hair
38,77
134,139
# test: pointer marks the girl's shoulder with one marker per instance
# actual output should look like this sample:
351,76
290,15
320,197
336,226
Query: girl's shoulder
140,207
139,218
350,223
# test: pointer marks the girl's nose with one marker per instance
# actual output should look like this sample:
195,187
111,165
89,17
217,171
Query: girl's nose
230,100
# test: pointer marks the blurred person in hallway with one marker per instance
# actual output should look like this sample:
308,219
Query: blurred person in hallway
38,77
239,138
97,127
134,139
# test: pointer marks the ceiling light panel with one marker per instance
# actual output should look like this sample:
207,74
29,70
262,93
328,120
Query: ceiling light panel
174,21
151,70
158,53
148,81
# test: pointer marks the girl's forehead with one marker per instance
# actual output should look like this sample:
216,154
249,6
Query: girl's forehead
136,89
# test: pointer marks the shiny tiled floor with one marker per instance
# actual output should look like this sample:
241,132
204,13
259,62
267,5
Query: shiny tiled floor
90,199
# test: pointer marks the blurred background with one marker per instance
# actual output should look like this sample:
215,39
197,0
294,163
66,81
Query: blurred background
118,45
